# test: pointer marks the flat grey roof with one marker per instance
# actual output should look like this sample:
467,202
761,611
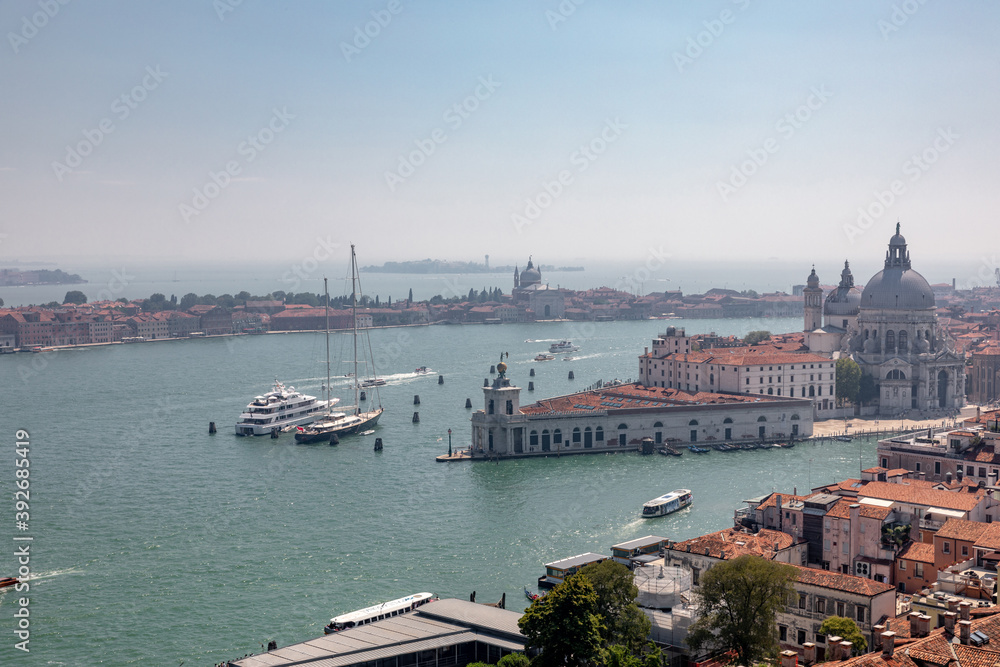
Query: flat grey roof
574,561
639,542
407,633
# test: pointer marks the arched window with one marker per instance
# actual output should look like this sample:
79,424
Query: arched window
588,438
762,418
895,375
902,341
546,441
599,434
557,436
693,422
576,435
658,425
812,391
770,390
795,417
533,439
490,411
727,420
711,378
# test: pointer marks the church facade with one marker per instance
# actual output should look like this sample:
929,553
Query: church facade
890,328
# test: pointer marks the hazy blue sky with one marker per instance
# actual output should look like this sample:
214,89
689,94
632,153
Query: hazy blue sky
721,130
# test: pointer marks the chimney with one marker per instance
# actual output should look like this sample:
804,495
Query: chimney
953,605
789,659
960,473
833,643
810,654
963,609
888,643
949,622
964,630
845,650
914,617
947,478
925,625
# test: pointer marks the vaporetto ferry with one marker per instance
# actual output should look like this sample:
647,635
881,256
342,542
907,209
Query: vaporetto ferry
667,503
377,612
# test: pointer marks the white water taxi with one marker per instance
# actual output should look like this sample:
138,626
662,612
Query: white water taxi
377,612
667,503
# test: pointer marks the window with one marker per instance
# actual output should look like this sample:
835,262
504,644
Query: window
576,435
937,467
782,633
557,436
965,550
918,569
800,637
946,547
840,609
533,439
902,565
826,545
802,600
820,606
861,614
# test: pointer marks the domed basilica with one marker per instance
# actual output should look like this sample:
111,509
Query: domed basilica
891,330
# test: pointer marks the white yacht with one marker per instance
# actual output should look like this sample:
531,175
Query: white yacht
563,346
667,503
280,407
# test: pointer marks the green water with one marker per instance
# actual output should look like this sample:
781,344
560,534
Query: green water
157,543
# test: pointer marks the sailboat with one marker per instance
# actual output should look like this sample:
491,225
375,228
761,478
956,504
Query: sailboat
355,420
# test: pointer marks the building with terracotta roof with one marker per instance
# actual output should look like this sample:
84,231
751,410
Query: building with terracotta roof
915,568
822,594
616,417
964,454
984,375
751,370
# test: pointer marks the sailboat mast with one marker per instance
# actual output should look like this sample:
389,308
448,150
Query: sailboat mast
326,291
354,319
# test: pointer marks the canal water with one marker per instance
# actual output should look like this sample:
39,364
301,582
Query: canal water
156,543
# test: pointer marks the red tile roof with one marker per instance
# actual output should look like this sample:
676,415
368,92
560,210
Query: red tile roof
961,529
919,495
918,551
732,543
841,582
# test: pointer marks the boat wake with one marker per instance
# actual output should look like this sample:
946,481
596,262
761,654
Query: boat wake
53,573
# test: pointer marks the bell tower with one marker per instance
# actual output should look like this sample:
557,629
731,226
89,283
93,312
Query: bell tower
813,307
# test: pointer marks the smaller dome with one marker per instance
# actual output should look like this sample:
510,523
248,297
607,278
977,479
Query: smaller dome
897,238
813,279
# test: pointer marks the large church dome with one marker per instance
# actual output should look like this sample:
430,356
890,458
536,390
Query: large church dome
897,286
530,276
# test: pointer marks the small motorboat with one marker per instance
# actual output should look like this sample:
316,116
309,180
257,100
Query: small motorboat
544,357
8,581
531,596
843,438
423,370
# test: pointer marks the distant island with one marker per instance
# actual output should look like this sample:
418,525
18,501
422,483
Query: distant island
444,266
15,277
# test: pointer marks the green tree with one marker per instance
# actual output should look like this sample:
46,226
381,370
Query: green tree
750,294
514,660
1,303
623,621
243,297
838,626
867,391
755,337
848,380
564,624
75,296
188,300
739,601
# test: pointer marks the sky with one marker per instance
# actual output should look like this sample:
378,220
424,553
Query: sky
238,131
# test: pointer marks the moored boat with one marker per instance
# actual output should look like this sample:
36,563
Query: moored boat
279,408
667,503
377,612
531,596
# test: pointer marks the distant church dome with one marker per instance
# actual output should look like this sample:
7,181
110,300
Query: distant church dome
530,276
845,300
813,279
897,286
